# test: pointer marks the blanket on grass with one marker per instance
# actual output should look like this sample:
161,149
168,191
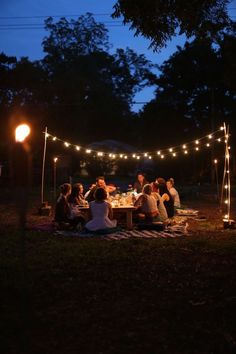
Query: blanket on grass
121,234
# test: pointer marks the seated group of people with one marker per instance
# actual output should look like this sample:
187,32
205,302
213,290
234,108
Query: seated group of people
154,201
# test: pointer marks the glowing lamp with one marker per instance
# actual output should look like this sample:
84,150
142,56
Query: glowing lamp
21,132
55,159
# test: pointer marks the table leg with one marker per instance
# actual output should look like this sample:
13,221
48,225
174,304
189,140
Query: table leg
129,219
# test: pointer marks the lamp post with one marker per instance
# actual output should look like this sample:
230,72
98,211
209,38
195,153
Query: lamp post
217,178
55,177
21,165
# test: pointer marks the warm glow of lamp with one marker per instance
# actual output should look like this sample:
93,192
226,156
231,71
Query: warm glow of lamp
55,159
21,132
215,161
77,148
66,144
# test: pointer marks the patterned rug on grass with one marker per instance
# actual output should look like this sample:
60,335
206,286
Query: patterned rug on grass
169,232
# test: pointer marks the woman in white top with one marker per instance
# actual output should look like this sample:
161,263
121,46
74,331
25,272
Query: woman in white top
173,192
147,204
101,212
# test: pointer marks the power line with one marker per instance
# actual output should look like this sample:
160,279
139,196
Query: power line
46,16
69,15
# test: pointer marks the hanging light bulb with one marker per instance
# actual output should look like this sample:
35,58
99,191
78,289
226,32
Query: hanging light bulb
145,154
138,157
77,148
125,157
197,142
150,157
134,156
226,201
158,153
221,128
88,151
186,152
197,148
210,136
226,186
162,156
54,138
219,140
184,146
215,161
170,150
66,144
207,144
174,154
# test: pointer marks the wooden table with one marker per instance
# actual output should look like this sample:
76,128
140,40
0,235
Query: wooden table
128,210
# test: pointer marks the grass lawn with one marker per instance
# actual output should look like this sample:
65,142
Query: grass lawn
132,296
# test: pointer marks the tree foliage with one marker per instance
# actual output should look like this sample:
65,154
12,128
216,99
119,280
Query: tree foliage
160,20
194,92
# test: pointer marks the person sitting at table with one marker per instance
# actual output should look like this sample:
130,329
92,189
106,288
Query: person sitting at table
140,182
160,204
146,205
167,199
63,210
101,212
100,183
174,193
77,197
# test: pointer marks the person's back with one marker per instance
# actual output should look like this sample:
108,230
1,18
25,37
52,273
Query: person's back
101,212
160,206
149,205
62,210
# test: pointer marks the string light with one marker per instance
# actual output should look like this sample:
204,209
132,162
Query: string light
162,156
215,161
171,151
